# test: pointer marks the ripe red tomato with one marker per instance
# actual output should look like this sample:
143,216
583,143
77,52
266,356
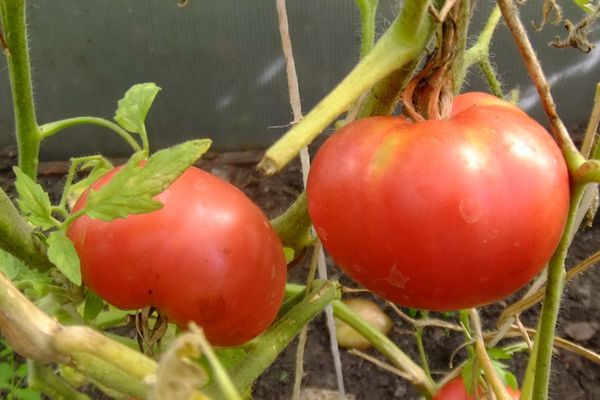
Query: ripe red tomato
455,390
208,256
441,215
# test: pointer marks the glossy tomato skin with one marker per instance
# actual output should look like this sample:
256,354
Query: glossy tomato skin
208,256
455,390
441,215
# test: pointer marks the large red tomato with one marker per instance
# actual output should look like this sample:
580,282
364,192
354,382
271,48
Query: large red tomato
455,390
208,256
441,215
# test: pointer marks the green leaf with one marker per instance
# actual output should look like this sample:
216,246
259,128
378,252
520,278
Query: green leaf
132,189
498,354
63,255
133,107
27,394
97,167
33,201
510,380
93,305
22,370
6,372
467,375
586,5
11,266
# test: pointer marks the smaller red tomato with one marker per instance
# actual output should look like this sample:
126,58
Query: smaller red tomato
455,390
208,256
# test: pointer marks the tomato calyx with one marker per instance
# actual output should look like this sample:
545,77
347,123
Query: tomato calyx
428,96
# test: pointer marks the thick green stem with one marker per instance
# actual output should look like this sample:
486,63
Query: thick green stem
17,55
265,350
17,237
42,379
368,12
293,226
462,30
556,279
402,42
479,53
51,128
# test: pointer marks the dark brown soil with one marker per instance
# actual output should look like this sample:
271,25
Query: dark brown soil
573,377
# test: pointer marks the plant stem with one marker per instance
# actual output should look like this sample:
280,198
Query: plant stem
462,29
479,53
556,278
17,237
17,55
421,347
509,11
368,13
385,346
52,128
43,379
293,226
491,376
402,42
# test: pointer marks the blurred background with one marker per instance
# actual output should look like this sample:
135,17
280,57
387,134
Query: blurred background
222,72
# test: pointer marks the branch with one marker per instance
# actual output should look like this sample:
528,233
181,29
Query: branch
403,42
509,11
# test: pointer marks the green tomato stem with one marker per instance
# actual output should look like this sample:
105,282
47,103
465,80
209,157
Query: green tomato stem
44,380
28,136
17,237
385,346
52,128
556,280
402,42
368,13
462,29
479,53
293,226
421,347
263,352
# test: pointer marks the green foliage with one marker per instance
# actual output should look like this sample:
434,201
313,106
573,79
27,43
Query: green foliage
133,107
93,305
586,5
13,377
35,284
132,189
33,201
63,255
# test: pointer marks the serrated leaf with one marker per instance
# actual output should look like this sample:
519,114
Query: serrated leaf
132,189
97,169
133,107
11,266
63,255
93,305
586,5
33,201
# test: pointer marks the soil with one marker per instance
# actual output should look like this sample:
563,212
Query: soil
573,377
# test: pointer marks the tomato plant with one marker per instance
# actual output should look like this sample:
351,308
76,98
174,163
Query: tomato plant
455,390
441,214
199,258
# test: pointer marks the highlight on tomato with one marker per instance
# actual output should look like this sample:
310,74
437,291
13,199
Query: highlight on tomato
441,214
209,255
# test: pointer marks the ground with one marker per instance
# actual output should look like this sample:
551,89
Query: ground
573,377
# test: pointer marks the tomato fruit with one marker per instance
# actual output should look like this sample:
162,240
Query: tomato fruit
208,256
455,390
442,214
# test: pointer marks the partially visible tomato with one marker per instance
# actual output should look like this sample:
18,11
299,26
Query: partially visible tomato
208,256
455,390
441,215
